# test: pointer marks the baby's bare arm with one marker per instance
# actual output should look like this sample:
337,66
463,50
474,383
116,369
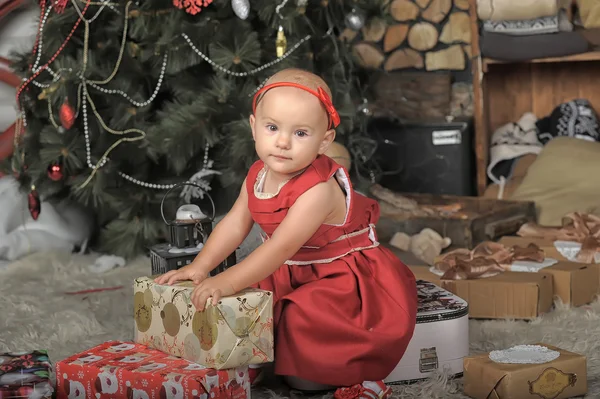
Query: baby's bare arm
228,234
303,219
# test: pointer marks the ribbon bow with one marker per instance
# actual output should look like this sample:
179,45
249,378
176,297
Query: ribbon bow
334,117
485,260
579,227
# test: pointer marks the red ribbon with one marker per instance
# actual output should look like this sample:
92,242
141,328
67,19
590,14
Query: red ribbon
334,117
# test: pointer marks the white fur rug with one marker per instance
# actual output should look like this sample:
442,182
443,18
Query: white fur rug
35,312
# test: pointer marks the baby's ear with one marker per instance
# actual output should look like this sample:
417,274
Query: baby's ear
327,140
252,120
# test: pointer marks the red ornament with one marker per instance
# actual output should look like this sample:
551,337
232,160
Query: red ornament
60,6
55,172
34,204
67,115
51,60
191,6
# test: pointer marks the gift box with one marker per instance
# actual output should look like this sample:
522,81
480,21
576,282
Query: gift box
118,369
575,283
25,375
526,371
237,331
514,295
560,250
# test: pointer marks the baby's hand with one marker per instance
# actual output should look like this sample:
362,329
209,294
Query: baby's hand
215,288
189,272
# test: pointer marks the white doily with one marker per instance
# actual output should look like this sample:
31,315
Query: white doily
528,266
524,354
570,250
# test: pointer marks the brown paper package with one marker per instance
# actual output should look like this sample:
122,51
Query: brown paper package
564,377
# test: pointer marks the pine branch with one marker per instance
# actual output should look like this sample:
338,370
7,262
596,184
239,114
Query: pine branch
241,150
181,133
98,193
236,47
129,238
196,103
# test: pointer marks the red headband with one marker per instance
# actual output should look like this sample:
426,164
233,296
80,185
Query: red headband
334,117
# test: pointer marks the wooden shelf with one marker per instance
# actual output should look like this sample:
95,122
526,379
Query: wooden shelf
583,57
503,94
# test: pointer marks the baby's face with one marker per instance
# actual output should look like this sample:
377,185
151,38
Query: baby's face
290,129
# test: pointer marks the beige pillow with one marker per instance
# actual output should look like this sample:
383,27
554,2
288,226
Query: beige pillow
564,178
589,11
520,168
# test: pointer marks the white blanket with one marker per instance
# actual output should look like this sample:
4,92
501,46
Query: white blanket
60,226
509,10
17,34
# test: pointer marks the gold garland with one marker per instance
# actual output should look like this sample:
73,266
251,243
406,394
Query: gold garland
83,85
51,115
138,13
17,134
108,129
45,94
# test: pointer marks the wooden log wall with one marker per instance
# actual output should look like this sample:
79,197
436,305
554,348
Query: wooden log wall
429,35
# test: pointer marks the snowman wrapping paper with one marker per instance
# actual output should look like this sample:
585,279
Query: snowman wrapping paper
118,369
236,332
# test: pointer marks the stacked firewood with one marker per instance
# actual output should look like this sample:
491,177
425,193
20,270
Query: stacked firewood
423,34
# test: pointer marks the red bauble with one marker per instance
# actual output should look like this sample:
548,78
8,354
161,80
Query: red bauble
55,172
67,115
60,5
34,204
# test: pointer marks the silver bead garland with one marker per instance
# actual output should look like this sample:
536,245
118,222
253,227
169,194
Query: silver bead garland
84,104
127,97
253,71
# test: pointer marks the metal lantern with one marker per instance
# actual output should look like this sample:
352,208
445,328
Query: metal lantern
188,233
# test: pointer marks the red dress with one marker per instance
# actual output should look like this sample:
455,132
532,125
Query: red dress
345,307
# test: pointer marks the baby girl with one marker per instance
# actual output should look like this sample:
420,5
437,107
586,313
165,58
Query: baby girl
345,307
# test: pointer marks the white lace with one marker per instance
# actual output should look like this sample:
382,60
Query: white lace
524,354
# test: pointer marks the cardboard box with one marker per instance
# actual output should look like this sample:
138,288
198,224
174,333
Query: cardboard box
118,369
506,295
238,331
574,283
25,375
564,377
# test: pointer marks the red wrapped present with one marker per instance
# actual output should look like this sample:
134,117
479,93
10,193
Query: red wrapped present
25,375
118,369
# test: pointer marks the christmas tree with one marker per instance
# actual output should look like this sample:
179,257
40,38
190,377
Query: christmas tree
121,100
